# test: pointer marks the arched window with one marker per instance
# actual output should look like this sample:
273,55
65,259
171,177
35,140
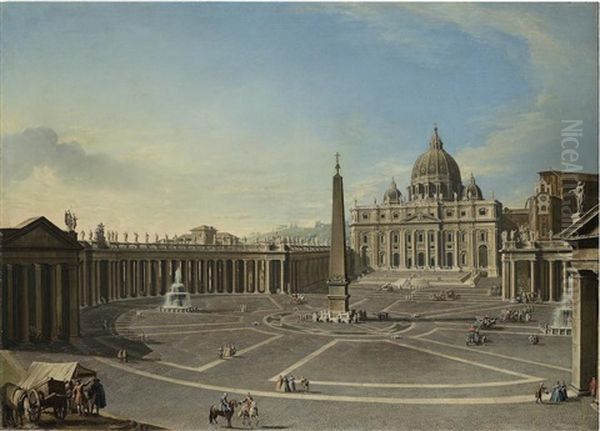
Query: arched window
483,256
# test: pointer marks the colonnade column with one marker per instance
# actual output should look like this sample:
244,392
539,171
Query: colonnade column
564,286
282,276
532,274
505,288
267,276
73,301
551,281
513,280
85,283
245,279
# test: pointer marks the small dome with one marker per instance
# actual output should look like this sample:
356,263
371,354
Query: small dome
472,191
437,169
392,194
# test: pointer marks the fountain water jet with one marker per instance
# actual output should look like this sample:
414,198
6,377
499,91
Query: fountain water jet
177,299
563,315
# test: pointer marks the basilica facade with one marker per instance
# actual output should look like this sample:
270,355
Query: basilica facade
440,224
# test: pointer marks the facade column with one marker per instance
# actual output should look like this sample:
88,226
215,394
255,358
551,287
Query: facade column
402,248
38,298
551,281
24,304
10,302
414,249
427,256
456,261
436,244
513,280
532,275
73,302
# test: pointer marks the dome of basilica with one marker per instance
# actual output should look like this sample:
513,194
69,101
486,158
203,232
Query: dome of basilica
436,171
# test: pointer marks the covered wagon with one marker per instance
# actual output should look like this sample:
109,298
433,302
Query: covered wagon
45,384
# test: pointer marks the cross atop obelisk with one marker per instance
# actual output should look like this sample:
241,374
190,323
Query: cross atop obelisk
338,280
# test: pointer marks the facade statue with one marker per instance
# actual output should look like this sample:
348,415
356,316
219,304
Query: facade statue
455,196
125,236
91,235
147,237
100,235
504,236
82,235
550,234
136,237
579,193
70,220
155,237
116,236
512,234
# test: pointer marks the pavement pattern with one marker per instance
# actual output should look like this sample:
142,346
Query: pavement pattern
413,371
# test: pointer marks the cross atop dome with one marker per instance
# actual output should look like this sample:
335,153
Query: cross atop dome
436,141
337,163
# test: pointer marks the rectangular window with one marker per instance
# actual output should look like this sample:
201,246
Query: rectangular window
365,217
365,239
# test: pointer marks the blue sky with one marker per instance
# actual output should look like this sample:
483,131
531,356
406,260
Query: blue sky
160,117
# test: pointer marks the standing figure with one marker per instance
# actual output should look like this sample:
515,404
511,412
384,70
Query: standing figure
538,393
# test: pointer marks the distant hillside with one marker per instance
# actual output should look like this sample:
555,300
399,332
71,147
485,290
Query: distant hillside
320,231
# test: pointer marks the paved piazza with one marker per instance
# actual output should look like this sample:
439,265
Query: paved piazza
411,372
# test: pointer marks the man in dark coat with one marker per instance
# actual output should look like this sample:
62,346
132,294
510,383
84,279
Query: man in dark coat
99,396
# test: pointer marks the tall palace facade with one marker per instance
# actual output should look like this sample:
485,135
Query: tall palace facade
440,224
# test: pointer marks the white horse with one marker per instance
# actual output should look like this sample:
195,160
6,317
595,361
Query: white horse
249,414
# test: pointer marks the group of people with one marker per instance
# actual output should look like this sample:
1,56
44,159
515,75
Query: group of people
122,355
86,398
558,393
288,384
227,351
516,315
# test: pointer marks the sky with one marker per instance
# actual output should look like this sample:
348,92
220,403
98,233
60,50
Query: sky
159,117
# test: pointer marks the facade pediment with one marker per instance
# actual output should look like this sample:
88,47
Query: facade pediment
421,218
39,234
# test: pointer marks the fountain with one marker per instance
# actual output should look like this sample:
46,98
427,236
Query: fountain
177,299
563,315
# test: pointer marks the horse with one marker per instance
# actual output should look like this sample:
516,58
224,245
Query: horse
215,412
14,405
249,414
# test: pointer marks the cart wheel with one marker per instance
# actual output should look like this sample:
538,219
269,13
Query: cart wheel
35,406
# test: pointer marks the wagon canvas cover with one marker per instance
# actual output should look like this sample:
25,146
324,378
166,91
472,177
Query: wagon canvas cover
40,372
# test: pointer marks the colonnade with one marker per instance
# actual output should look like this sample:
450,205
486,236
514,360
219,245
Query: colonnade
545,277
41,302
110,279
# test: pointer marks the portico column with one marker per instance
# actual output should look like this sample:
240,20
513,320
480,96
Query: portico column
513,280
532,274
436,244
38,297
128,288
97,284
234,275
551,281
505,289
225,277
10,303
56,309
456,262
24,302
110,284
73,302
84,283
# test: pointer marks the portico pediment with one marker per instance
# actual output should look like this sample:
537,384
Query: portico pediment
39,233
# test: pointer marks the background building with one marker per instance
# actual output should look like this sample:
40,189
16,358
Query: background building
441,224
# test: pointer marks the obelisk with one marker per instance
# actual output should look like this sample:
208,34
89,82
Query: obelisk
338,280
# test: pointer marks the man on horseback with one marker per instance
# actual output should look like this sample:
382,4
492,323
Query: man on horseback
225,403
